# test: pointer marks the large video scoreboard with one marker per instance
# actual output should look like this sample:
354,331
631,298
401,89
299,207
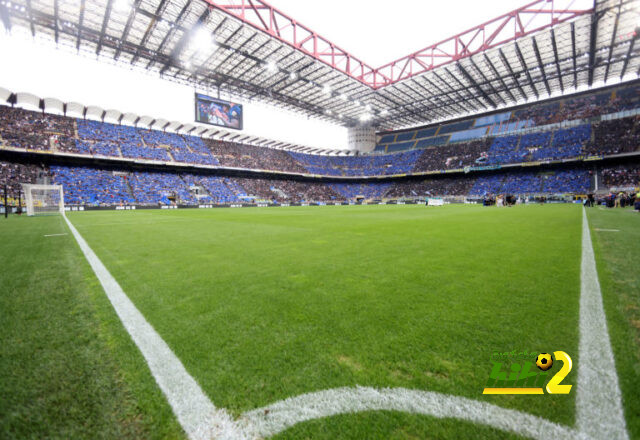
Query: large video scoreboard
218,112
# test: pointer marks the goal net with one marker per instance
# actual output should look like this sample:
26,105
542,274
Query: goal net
43,199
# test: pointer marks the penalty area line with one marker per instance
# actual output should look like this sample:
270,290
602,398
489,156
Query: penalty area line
55,235
197,415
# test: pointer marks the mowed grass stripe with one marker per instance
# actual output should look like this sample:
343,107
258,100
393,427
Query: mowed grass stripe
67,368
264,304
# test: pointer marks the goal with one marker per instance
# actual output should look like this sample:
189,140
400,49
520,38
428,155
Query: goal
43,199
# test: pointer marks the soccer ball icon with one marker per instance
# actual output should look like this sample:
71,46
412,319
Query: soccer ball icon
544,361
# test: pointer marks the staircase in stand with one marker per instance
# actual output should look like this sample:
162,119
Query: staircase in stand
279,193
129,187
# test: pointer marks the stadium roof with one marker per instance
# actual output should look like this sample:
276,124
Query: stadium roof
250,49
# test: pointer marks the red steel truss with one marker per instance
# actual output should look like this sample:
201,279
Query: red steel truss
266,18
528,19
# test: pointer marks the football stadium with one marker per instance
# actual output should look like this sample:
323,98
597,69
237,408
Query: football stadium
217,223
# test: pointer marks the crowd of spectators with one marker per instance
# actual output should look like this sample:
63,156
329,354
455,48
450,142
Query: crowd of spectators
92,186
158,188
248,156
453,156
621,176
352,191
533,182
35,130
287,191
582,107
615,136
443,186
14,174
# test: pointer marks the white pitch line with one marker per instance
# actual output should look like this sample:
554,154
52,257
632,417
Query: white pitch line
272,419
599,412
198,416
55,235
606,230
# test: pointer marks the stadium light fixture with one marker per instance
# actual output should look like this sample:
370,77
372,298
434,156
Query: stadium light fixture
271,66
202,39
343,97
365,117
327,90
293,76
122,5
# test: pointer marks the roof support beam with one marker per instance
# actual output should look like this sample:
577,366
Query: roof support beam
451,102
593,39
31,24
513,75
466,89
56,29
497,75
454,92
575,59
435,109
127,28
166,38
626,59
184,39
105,22
540,65
486,81
526,69
81,24
475,84
613,40
4,16
555,54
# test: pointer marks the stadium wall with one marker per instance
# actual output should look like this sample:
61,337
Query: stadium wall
61,74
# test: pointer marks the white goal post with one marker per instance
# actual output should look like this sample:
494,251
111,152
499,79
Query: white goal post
43,199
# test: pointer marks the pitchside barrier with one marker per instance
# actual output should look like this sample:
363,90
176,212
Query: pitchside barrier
437,201
233,205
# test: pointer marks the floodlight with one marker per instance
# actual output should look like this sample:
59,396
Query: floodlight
271,66
203,39
122,5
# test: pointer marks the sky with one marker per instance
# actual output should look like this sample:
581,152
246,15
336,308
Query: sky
375,31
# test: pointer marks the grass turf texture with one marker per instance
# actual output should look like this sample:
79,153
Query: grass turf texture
618,260
264,304
67,366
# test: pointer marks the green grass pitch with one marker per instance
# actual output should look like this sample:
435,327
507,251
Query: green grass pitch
261,304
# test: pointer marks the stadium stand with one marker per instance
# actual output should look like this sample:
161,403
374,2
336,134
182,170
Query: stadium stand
533,182
621,176
351,191
92,186
14,174
374,165
560,110
615,137
447,147
248,156
451,186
